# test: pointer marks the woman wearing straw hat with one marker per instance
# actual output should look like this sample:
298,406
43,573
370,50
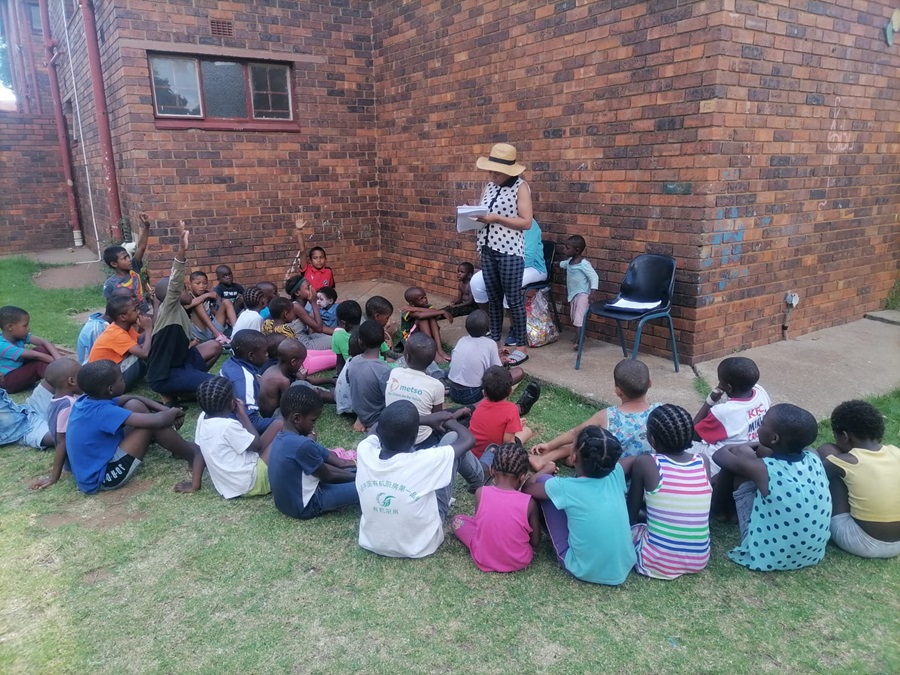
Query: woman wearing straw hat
501,242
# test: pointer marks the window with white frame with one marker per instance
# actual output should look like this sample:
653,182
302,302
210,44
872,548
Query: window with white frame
193,88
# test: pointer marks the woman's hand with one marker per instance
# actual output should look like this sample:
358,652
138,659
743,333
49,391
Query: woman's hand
489,218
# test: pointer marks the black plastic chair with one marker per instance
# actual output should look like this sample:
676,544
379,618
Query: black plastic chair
649,278
549,259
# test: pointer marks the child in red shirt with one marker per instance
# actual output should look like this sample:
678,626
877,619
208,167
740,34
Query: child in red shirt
495,419
316,271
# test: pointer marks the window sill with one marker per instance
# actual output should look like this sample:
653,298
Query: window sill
282,126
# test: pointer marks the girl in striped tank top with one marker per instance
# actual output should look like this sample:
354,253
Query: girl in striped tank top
675,486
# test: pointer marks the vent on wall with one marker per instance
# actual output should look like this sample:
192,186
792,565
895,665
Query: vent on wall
221,27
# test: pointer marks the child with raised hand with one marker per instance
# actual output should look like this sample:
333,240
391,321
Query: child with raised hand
315,268
496,420
230,445
626,421
21,368
288,372
210,316
582,281
251,319
126,269
472,356
121,343
108,434
780,490
507,526
733,411
227,289
586,516
326,299
419,315
864,476
368,376
674,484
405,493
463,304
281,317
242,370
63,376
307,479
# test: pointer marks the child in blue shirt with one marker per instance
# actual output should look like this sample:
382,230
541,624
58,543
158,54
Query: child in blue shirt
102,455
586,516
581,280
250,349
326,299
21,367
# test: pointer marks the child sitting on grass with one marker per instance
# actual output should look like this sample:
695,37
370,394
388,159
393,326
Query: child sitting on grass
307,324
380,310
864,478
368,376
229,445
581,281
348,315
626,421
272,342
288,372
507,524
472,356
270,291
402,513
21,368
20,424
343,398
780,491
94,327
210,316
413,384
463,304
63,375
307,479
586,516
733,411
497,420
121,343
674,484
242,370
126,269
108,434
419,315
326,299
315,269
281,316
227,289
250,318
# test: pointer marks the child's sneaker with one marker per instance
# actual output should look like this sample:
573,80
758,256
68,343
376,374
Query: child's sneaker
529,397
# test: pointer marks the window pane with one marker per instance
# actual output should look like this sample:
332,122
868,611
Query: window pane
271,93
176,88
224,89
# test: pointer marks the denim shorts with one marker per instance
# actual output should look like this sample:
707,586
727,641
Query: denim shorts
465,395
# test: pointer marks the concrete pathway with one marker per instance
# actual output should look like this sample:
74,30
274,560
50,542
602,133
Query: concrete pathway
75,268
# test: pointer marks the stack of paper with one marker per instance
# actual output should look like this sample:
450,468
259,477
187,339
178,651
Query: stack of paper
622,303
466,215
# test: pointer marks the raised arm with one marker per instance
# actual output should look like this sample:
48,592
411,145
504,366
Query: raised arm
143,236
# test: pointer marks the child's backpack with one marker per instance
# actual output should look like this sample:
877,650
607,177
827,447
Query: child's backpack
539,320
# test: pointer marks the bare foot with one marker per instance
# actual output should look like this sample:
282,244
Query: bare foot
185,487
537,462
359,426
440,357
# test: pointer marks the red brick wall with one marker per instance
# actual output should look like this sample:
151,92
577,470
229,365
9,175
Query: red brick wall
616,107
240,191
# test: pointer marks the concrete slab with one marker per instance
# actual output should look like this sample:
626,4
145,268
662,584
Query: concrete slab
819,370
72,267
555,364
61,256
885,316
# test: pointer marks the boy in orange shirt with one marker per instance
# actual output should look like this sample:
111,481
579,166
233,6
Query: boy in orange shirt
121,343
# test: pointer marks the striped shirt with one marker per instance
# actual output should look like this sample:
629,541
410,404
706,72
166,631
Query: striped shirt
675,540
11,353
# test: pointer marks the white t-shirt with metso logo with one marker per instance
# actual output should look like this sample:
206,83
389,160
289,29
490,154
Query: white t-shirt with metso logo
400,515
417,387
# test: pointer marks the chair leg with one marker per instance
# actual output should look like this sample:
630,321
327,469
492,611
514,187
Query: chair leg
637,339
621,335
672,337
581,334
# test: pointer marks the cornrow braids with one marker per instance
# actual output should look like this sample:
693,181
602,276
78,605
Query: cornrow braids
511,459
253,297
671,428
599,451
215,395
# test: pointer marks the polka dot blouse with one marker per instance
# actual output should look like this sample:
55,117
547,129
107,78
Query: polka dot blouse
499,237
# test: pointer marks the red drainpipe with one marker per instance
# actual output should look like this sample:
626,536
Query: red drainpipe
50,47
106,146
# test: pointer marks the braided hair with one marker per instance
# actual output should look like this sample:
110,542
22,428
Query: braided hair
215,395
671,429
511,459
599,451
253,297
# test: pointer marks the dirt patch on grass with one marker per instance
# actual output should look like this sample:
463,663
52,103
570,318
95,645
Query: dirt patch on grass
70,276
114,509
96,577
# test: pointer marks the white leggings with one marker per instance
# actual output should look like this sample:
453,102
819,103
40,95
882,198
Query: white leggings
479,292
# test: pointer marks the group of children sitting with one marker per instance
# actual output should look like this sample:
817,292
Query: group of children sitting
647,476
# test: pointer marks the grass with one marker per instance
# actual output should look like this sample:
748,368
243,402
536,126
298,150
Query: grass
144,580
893,298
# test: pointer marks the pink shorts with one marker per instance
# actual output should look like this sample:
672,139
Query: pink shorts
578,307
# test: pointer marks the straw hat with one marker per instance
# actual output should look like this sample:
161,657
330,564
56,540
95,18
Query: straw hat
502,159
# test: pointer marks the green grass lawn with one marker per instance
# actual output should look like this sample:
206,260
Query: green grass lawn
144,580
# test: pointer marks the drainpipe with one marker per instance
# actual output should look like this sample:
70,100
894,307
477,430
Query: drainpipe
106,146
51,55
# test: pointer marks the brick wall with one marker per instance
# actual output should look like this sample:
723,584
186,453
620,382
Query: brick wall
617,109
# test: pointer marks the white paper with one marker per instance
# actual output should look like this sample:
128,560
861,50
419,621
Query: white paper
466,215
622,303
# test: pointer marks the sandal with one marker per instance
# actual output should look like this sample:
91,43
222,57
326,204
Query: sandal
223,340
517,357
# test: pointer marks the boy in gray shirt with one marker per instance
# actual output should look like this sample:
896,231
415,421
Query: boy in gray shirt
368,376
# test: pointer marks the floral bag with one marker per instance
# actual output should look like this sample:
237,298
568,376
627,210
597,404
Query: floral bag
539,320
